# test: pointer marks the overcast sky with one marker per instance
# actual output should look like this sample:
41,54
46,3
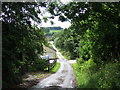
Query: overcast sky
56,23
55,20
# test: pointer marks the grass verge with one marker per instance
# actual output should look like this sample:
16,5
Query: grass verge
77,74
85,76
55,69
91,75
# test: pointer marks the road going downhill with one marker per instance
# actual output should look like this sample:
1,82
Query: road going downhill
63,78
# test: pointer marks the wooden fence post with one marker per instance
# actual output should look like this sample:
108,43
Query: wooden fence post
48,65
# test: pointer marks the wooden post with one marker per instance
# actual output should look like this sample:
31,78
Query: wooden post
48,65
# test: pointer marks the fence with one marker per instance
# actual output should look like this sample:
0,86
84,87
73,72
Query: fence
51,64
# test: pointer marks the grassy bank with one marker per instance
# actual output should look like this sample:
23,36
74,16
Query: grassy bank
90,75
55,69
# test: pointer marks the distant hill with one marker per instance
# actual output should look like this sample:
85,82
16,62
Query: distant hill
50,31
54,28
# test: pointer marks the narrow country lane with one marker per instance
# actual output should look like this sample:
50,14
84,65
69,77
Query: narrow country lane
63,78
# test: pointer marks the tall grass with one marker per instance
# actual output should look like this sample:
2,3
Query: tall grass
91,75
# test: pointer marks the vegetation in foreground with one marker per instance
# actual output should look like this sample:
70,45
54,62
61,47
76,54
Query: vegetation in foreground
22,41
90,75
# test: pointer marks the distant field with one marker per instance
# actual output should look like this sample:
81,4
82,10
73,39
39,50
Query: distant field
51,31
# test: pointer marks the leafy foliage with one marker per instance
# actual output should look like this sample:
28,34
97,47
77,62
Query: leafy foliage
90,75
94,35
22,42
92,30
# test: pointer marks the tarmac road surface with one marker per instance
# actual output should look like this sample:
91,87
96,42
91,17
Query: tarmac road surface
63,78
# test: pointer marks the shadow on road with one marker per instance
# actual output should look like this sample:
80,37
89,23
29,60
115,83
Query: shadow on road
53,88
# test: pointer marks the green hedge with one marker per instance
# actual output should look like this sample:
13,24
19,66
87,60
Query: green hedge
91,75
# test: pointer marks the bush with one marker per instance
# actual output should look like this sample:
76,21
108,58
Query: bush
40,64
92,75
110,76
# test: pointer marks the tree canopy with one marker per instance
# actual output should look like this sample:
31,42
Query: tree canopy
22,41
95,23
93,39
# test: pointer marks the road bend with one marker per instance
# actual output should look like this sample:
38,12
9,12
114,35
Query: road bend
63,78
